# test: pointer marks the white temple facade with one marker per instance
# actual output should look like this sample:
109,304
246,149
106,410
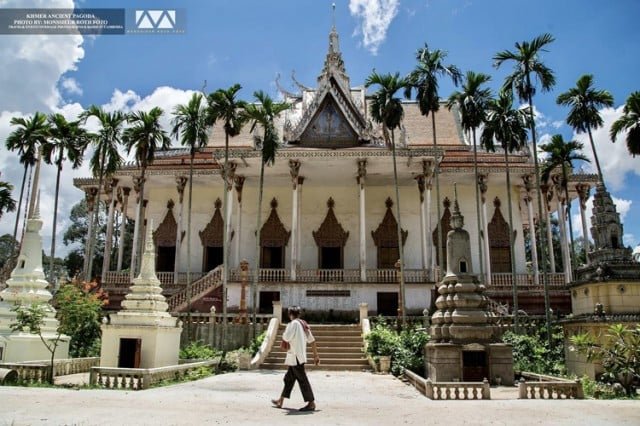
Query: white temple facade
328,235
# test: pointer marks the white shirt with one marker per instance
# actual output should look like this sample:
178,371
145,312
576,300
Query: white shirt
297,338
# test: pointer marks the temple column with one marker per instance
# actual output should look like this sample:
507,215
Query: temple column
566,258
90,195
482,184
239,184
123,226
420,179
294,168
113,200
181,182
137,185
300,182
528,186
228,216
547,194
583,193
362,174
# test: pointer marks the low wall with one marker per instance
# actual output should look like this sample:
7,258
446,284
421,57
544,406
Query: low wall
38,371
448,390
211,330
539,386
142,378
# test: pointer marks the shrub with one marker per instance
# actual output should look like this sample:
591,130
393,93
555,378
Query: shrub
406,347
254,347
531,352
198,350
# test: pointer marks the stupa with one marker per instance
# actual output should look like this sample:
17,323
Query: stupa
464,338
143,334
27,286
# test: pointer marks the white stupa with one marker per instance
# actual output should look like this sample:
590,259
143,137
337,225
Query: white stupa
143,334
26,287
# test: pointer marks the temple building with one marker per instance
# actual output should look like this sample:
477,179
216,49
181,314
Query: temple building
329,238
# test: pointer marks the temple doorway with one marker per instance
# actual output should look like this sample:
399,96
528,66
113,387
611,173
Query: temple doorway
214,256
387,303
129,354
166,259
474,366
265,305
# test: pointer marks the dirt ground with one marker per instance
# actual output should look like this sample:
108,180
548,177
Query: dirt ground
343,398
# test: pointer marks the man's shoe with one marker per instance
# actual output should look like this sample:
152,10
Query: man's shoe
308,407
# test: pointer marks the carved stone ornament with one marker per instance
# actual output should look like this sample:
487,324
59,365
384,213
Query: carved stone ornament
386,235
330,233
498,228
165,235
213,234
273,232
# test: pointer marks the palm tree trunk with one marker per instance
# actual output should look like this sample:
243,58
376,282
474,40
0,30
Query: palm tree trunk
566,194
256,275
514,281
34,184
439,225
26,210
15,228
542,237
95,217
225,245
595,155
475,184
135,263
399,228
188,295
55,219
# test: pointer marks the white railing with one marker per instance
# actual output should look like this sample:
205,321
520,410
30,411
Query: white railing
213,318
548,387
38,371
457,390
503,281
167,279
199,288
267,343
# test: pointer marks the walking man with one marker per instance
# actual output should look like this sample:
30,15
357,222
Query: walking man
295,339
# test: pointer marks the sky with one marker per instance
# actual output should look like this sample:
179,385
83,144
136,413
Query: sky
251,41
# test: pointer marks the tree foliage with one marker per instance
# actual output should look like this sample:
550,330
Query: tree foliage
531,350
618,351
629,122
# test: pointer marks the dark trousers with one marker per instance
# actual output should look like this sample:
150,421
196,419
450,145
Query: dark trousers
296,372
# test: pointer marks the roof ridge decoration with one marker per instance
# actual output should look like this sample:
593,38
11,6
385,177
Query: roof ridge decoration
332,118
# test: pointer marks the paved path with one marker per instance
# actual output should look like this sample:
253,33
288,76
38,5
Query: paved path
343,398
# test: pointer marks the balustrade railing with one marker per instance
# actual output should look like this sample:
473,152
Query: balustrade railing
213,318
29,373
547,387
203,285
503,281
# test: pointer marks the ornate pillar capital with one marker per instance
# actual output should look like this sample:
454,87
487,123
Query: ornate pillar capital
421,180
239,183
362,171
483,178
583,193
90,195
181,182
294,170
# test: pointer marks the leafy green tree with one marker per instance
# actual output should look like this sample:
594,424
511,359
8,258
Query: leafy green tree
618,351
532,353
472,103
191,125
7,203
387,110
79,307
77,234
629,122
105,161
529,73
424,80
263,115
584,115
66,141
508,126
225,108
145,137
8,245
31,319
26,140
562,154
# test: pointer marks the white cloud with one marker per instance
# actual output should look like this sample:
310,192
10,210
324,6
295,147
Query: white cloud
71,86
557,124
615,160
375,16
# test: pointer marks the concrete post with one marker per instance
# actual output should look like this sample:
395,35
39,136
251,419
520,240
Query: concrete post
364,311
181,181
113,200
277,310
294,168
123,226
482,184
362,173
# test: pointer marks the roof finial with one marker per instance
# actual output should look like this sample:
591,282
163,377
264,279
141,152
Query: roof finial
333,15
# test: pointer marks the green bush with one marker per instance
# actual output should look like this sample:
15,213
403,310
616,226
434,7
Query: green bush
198,350
531,351
254,347
406,347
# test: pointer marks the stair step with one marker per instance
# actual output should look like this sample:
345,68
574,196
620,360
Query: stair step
342,367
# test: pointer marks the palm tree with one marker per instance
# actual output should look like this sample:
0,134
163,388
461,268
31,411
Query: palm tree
424,79
7,204
472,102
105,160
26,140
527,71
507,126
561,153
387,110
224,107
67,140
190,124
145,137
263,115
630,121
585,101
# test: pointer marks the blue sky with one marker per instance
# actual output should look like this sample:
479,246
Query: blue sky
250,41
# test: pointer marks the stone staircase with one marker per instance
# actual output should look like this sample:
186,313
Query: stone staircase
199,288
340,348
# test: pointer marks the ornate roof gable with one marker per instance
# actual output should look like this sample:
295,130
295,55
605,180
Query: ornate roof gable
165,235
273,232
213,234
331,119
330,233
